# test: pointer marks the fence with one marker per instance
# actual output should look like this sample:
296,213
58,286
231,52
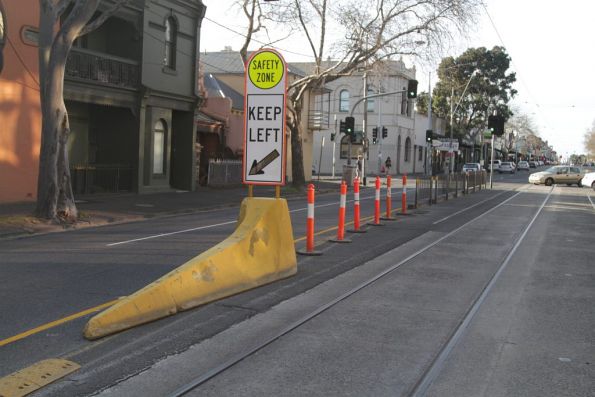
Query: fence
430,189
225,173
98,178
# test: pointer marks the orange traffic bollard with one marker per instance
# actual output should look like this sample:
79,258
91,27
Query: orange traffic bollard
341,227
377,204
310,225
356,211
389,199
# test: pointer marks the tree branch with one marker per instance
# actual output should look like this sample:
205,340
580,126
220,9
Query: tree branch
103,17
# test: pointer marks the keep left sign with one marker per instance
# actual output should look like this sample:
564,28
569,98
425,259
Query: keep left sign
264,128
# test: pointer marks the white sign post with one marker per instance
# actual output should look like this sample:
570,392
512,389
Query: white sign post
264,128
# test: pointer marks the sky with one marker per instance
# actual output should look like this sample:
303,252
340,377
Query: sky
551,44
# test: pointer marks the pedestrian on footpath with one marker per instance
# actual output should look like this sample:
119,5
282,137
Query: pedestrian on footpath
387,165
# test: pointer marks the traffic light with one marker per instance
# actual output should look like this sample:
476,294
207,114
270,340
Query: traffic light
429,136
384,132
332,136
374,135
350,126
412,89
342,127
496,125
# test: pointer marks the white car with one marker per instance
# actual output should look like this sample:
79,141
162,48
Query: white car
495,165
589,180
523,165
471,167
506,166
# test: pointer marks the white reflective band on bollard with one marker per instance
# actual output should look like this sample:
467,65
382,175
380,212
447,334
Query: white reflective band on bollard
310,210
343,201
356,197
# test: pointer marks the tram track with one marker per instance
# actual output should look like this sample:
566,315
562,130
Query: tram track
419,388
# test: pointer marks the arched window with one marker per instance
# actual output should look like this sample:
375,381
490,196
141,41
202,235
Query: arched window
159,135
371,102
171,36
344,101
408,149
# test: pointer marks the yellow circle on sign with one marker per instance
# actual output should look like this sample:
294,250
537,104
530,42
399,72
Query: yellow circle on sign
266,70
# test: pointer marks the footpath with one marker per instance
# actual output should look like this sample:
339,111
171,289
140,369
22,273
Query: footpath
17,220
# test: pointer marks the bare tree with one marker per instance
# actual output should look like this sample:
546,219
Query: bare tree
61,22
356,33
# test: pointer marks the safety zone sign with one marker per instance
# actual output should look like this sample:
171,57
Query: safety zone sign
264,130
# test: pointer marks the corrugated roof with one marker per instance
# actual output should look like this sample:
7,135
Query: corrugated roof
230,62
218,89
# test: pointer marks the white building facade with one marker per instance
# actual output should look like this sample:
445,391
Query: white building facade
393,112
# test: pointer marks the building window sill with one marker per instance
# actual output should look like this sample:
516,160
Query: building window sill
170,71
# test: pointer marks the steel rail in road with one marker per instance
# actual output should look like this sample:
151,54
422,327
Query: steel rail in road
253,349
437,365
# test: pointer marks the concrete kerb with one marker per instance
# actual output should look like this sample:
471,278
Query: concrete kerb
101,218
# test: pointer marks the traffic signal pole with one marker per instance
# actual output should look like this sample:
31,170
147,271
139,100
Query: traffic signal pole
365,99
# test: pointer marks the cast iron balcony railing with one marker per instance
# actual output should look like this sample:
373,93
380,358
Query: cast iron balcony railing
89,66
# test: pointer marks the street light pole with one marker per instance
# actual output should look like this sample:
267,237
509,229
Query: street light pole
365,122
450,151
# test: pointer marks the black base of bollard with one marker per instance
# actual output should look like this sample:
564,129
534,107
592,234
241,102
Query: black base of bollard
311,253
345,240
388,219
376,224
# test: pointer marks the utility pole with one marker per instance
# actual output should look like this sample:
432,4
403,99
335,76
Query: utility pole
365,124
379,126
334,144
429,144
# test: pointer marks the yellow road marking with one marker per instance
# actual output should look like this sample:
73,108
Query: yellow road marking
36,376
55,323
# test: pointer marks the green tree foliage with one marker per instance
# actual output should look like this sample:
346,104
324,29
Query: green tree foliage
476,84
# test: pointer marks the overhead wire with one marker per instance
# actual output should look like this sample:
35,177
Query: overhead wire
515,66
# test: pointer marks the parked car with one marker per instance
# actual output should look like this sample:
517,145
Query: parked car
506,166
532,164
495,165
588,180
471,167
557,174
523,165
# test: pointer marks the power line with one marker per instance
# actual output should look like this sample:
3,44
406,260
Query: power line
258,41
514,64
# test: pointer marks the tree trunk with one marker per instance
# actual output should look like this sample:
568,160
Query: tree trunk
55,199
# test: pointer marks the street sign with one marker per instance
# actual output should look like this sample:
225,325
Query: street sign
264,128
446,145
487,134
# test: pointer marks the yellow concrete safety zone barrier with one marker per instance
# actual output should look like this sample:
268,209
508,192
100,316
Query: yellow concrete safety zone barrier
261,250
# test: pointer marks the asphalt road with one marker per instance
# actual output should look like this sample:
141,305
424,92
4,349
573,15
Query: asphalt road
530,334
56,275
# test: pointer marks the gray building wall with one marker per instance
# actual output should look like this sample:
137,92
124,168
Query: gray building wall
386,111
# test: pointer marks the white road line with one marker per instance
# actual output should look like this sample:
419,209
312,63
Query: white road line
465,209
589,197
207,226
170,234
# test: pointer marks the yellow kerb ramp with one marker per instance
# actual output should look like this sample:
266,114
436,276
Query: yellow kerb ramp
261,250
